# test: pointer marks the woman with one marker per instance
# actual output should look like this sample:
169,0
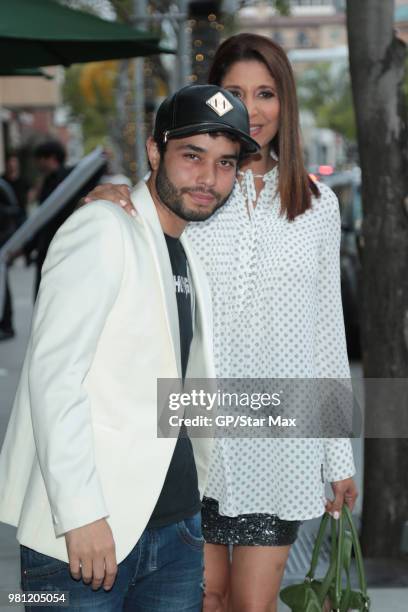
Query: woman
272,258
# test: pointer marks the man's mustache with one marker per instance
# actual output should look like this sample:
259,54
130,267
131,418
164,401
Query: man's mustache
215,194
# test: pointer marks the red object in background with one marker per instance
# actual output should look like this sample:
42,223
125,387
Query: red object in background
326,170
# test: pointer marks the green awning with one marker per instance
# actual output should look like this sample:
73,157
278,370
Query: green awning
44,33
31,72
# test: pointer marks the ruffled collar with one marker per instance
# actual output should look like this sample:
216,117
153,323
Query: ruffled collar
248,188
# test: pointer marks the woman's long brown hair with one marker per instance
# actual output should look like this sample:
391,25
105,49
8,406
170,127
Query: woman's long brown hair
295,186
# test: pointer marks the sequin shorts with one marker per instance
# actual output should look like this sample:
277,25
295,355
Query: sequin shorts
246,529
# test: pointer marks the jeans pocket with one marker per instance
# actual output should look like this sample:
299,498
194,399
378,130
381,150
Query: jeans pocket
190,532
37,565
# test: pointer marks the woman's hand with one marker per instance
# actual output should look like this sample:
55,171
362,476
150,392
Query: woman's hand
345,492
117,194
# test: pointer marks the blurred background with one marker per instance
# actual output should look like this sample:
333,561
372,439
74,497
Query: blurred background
76,105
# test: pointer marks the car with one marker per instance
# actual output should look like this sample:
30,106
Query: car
347,186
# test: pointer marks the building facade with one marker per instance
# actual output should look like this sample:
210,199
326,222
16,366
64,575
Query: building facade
27,107
312,24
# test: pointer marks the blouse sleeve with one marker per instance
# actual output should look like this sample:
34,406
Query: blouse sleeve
330,342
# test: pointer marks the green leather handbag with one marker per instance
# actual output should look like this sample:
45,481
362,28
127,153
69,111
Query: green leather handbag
329,593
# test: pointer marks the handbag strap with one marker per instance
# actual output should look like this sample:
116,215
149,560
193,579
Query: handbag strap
317,546
346,595
346,543
357,552
339,562
340,558
331,572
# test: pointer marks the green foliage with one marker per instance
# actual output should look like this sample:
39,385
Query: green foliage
282,6
326,92
95,117
71,93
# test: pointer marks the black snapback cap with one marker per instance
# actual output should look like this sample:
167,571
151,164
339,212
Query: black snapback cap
200,109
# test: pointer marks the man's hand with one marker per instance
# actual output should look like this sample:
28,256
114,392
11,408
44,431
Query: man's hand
91,553
345,492
118,194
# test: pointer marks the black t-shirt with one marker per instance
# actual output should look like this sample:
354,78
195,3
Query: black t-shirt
179,497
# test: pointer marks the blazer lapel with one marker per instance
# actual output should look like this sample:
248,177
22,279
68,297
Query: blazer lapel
144,205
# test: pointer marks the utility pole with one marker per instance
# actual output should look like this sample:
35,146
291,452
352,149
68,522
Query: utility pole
177,15
140,15
141,19
184,44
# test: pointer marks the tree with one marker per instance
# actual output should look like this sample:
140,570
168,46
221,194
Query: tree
101,94
89,91
377,64
325,91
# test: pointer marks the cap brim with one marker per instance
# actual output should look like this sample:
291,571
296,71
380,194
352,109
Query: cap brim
249,144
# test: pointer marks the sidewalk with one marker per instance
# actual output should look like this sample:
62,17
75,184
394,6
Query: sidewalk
11,357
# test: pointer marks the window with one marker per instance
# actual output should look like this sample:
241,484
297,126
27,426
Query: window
278,38
311,2
302,39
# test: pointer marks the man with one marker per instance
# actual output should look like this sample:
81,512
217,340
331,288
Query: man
50,161
122,302
9,214
50,157
13,200
20,187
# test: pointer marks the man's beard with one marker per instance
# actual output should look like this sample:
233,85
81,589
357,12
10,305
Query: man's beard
172,197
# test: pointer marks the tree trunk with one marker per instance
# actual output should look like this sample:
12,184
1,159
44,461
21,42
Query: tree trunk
377,60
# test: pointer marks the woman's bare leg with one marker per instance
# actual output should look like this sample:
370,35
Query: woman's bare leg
256,576
217,577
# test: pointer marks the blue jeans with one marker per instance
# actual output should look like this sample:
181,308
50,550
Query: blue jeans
163,573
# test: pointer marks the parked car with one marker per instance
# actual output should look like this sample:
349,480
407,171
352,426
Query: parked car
347,187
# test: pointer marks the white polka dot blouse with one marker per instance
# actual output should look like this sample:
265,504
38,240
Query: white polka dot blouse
277,314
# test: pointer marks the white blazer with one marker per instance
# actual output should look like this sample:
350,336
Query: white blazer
81,442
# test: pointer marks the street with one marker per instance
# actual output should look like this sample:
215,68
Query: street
11,357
